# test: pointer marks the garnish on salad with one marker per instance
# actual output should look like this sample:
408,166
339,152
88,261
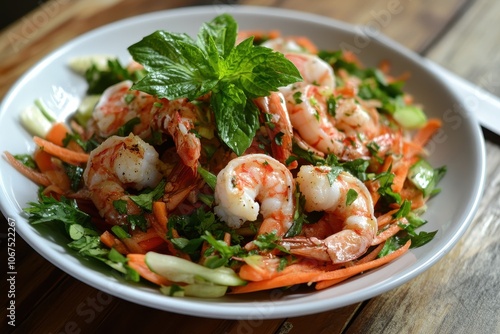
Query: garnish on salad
234,162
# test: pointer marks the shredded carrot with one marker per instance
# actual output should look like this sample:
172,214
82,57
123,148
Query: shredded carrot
138,263
108,239
57,133
160,214
276,282
386,218
293,278
386,234
30,173
151,243
359,268
425,133
62,153
369,257
43,160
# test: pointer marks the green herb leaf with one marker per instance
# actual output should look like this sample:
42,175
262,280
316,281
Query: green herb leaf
146,199
26,159
83,236
178,67
351,197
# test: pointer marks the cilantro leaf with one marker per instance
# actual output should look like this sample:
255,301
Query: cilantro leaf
178,66
83,236
146,199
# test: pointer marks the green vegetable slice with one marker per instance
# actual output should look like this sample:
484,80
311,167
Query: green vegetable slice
410,117
180,270
422,175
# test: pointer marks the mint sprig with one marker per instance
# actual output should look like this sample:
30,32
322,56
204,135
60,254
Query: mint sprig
178,66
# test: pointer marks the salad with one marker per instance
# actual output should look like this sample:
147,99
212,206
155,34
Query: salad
236,162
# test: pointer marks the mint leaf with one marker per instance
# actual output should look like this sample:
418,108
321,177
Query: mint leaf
236,118
178,66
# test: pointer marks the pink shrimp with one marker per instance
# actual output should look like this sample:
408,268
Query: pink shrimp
279,127
120,104
120,163
350,218
250,179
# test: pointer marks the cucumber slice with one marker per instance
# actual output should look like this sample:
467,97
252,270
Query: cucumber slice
180,270
421,174
410,117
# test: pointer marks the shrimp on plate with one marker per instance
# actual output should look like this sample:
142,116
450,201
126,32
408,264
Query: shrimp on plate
118,164
278,125
120,104
248,180
353,220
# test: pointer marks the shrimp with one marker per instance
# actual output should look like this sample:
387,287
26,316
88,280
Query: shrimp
120,104
177,117
279,127
307,106
115,165
250,179
354,218
313,69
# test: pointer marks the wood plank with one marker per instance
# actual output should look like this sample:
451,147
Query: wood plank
424,20
470,52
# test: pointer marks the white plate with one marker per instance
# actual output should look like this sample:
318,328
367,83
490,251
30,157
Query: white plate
460,146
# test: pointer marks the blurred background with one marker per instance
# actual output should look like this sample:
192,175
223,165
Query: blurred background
17,10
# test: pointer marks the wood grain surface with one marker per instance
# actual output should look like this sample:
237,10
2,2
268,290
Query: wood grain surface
459,294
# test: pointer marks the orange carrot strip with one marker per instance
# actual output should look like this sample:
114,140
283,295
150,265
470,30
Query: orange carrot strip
62,153
427,131
328,283
108,239
160,214
30,173
318,275
386,218
276,282
371,256
60,178
151,243
43,160
386,234
400,174
138,263
359,268
57,133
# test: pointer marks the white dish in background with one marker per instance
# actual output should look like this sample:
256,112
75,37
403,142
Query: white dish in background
459,146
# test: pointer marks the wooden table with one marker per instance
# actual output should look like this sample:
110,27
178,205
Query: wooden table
460,294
